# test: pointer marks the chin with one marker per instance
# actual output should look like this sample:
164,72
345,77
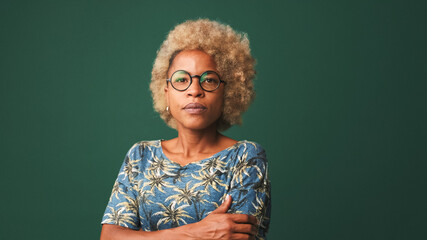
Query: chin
198,125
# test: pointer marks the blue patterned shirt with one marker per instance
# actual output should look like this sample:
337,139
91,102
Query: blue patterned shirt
154,193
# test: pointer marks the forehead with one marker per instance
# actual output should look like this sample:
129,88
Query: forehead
192,61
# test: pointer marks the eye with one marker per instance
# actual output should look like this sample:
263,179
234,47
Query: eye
181,80
210,80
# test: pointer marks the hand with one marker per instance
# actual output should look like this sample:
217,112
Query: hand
222,225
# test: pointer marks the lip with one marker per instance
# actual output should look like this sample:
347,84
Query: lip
194,108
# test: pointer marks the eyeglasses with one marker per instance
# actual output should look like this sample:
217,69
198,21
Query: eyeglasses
208,81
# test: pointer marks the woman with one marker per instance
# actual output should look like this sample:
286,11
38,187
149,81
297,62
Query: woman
201,184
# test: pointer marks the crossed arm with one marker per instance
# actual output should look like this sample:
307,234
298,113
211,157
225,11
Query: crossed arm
217,225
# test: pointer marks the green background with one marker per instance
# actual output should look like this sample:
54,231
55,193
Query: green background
340,109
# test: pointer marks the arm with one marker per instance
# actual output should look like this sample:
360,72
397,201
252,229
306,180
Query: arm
121,218
217,225
250,186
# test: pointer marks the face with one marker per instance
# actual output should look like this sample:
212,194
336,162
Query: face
194,108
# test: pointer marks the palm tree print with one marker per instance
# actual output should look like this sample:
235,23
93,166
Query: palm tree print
116,191
153,193
172,214
160,165
240,200
242,167
214,163
155,180
148,144
178,175
260,212
118,217
131,205
144,196
184,195
207,179
263,186
144,203
130,169
190,197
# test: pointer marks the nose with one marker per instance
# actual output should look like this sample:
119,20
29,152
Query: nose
195,90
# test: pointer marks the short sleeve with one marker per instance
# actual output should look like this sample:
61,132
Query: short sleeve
122,208
250,186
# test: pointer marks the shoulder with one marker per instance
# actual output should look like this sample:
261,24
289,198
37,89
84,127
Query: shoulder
150,143
137,150
250,162
249,153
135,158
250,148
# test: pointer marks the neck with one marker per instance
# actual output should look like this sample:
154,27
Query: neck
191,142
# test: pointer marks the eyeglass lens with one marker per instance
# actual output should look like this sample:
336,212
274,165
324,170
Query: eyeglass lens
209,80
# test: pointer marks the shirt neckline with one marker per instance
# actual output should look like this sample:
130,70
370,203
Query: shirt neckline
198,161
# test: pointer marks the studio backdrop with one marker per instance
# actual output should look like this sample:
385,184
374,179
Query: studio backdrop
340,109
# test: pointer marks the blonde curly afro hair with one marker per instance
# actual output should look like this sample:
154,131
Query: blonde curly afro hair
232,55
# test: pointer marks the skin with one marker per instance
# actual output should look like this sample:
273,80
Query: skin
197,139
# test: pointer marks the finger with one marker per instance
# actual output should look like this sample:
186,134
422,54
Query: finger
245,228
242,236
244,218
224,206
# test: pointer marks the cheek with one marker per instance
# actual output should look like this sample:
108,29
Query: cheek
175,103
170,97
219,104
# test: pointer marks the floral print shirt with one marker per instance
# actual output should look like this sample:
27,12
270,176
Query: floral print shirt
154,193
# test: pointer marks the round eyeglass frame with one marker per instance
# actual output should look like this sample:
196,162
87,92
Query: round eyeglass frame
191,80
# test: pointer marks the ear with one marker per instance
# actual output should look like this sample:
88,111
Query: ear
166,95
